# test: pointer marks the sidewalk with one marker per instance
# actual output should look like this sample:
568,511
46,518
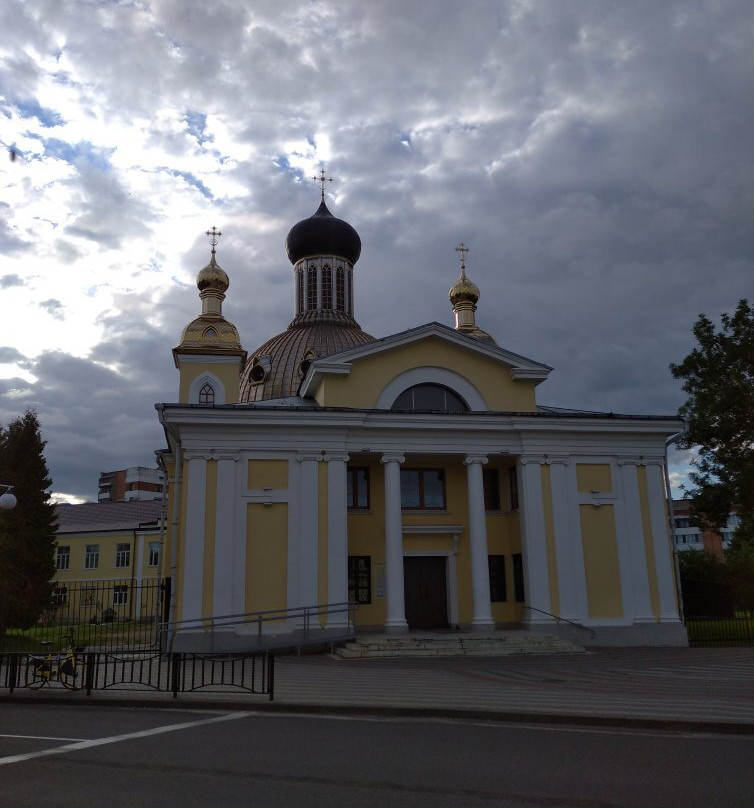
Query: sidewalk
668,688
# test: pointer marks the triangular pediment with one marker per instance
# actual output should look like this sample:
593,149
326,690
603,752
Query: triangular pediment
487,376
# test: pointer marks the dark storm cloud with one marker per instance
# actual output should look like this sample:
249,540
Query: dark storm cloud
596,157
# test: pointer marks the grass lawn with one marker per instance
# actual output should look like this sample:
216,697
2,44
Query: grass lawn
118,634
711,631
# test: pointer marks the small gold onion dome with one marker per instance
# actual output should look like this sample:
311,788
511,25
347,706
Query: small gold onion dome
213,276
463,289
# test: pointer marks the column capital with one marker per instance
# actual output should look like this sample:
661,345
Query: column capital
641,460
469,459
392,457
303,456
342,456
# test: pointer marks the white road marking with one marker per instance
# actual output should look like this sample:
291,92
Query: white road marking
146,733
41,737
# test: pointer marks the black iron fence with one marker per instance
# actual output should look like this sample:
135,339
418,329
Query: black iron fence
102,615
174,673
721,632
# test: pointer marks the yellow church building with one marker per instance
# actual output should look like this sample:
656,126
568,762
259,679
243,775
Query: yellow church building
413,474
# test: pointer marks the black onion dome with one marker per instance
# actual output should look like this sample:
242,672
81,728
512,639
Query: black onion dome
276,368
323,234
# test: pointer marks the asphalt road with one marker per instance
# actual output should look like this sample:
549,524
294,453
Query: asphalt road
98,756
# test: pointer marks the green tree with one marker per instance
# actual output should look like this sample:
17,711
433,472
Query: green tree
718,377
27,532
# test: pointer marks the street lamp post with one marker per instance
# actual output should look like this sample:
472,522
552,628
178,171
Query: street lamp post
7,499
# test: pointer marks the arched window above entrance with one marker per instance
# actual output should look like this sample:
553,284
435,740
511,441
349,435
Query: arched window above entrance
429,398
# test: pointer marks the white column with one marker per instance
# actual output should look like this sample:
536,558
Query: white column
661,541
337,537
396,606
481,611
225,538
534,541
193,549
308,550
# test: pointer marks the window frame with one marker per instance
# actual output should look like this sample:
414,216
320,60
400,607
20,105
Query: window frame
352,498
91,556
491,484
120,595
362,592
513,487
153,551
498,583
421,489
63,557
519,587
207,394
122,555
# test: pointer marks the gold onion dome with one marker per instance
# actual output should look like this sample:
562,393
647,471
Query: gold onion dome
213,276
463,289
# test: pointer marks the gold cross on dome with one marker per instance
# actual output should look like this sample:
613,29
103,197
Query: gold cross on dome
322,178
214,235
463,249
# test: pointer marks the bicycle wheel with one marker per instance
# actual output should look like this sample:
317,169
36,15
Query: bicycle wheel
67,673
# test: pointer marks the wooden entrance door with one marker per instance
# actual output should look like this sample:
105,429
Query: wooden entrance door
426,593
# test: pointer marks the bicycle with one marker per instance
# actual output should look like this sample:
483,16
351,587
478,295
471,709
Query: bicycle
62,667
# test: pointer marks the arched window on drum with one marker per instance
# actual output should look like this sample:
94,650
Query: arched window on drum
429,398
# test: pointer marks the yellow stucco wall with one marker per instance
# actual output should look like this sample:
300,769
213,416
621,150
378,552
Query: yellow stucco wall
369,376
594,477
266,556
601,564
263,473
227,372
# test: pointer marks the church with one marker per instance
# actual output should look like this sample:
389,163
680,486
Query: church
412,474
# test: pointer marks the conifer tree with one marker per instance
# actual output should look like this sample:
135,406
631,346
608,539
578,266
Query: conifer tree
27,532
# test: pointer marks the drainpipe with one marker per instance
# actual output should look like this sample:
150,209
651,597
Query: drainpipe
671,523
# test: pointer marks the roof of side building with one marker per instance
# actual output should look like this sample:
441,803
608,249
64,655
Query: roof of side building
98,516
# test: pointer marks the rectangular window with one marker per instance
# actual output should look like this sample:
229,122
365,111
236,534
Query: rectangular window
122,555
513,487
340,289
120,595
518,578
91,557
300,290
498,591
422,489
360,579
311,287
62,558
358,487
491,480
326,286
59,596
154,554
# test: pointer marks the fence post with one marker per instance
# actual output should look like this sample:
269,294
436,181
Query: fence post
271,674
12,670
89,664
175,672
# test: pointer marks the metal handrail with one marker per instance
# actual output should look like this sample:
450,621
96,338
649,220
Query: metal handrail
560,619
213,622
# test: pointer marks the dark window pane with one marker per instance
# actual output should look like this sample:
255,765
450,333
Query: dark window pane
491,480
518,578
357,487
513,485
435,397
410,489
434,489
498,593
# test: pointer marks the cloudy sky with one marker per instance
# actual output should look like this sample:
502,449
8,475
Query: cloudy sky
596,156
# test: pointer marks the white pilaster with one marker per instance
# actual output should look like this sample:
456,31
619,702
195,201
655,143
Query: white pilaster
637,600
534,541
661,541
337,536
481,612
225,536
569,552
308,555
396,606
193,550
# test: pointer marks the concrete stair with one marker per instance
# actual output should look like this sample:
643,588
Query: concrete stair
421,644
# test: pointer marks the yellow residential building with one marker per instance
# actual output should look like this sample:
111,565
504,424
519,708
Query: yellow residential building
414,474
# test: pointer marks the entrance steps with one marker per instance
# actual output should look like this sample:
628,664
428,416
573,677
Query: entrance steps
427,644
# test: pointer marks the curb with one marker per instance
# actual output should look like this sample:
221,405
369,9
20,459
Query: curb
324,710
